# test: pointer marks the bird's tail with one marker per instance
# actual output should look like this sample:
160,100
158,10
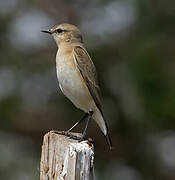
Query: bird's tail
98,117
109,140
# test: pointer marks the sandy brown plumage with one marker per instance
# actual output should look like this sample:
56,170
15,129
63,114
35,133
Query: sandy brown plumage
89,74
77,74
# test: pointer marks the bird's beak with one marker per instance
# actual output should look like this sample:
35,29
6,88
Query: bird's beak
47,31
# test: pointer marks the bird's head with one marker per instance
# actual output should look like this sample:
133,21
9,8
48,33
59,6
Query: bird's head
65,33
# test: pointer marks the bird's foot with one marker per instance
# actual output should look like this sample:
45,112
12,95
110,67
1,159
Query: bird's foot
67,133
81,139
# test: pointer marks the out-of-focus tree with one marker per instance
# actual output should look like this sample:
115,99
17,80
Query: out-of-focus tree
132,45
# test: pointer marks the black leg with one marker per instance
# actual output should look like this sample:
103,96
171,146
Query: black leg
89,119
78,122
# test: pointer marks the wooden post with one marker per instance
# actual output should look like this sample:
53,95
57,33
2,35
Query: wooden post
65,158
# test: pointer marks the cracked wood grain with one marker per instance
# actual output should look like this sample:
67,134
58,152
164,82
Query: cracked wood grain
65,158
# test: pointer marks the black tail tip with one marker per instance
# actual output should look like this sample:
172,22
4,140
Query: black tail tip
109,141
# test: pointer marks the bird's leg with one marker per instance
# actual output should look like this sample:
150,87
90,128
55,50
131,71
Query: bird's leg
78,122
85,129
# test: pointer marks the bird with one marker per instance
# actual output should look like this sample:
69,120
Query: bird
77,76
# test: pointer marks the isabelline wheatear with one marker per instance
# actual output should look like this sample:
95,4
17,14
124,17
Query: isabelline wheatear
77,75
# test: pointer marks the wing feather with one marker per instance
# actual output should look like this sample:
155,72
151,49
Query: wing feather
89,74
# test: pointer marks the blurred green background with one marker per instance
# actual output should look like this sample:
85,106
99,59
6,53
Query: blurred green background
132,45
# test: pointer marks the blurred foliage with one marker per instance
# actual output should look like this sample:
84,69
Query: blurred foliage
135,64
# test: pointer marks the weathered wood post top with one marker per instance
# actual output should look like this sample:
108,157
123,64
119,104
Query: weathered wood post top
65,158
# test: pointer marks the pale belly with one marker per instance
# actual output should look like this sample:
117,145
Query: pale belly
73,87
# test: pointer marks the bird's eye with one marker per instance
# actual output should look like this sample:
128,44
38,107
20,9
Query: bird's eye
59,31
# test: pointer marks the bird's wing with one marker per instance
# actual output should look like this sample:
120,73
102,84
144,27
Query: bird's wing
89,74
